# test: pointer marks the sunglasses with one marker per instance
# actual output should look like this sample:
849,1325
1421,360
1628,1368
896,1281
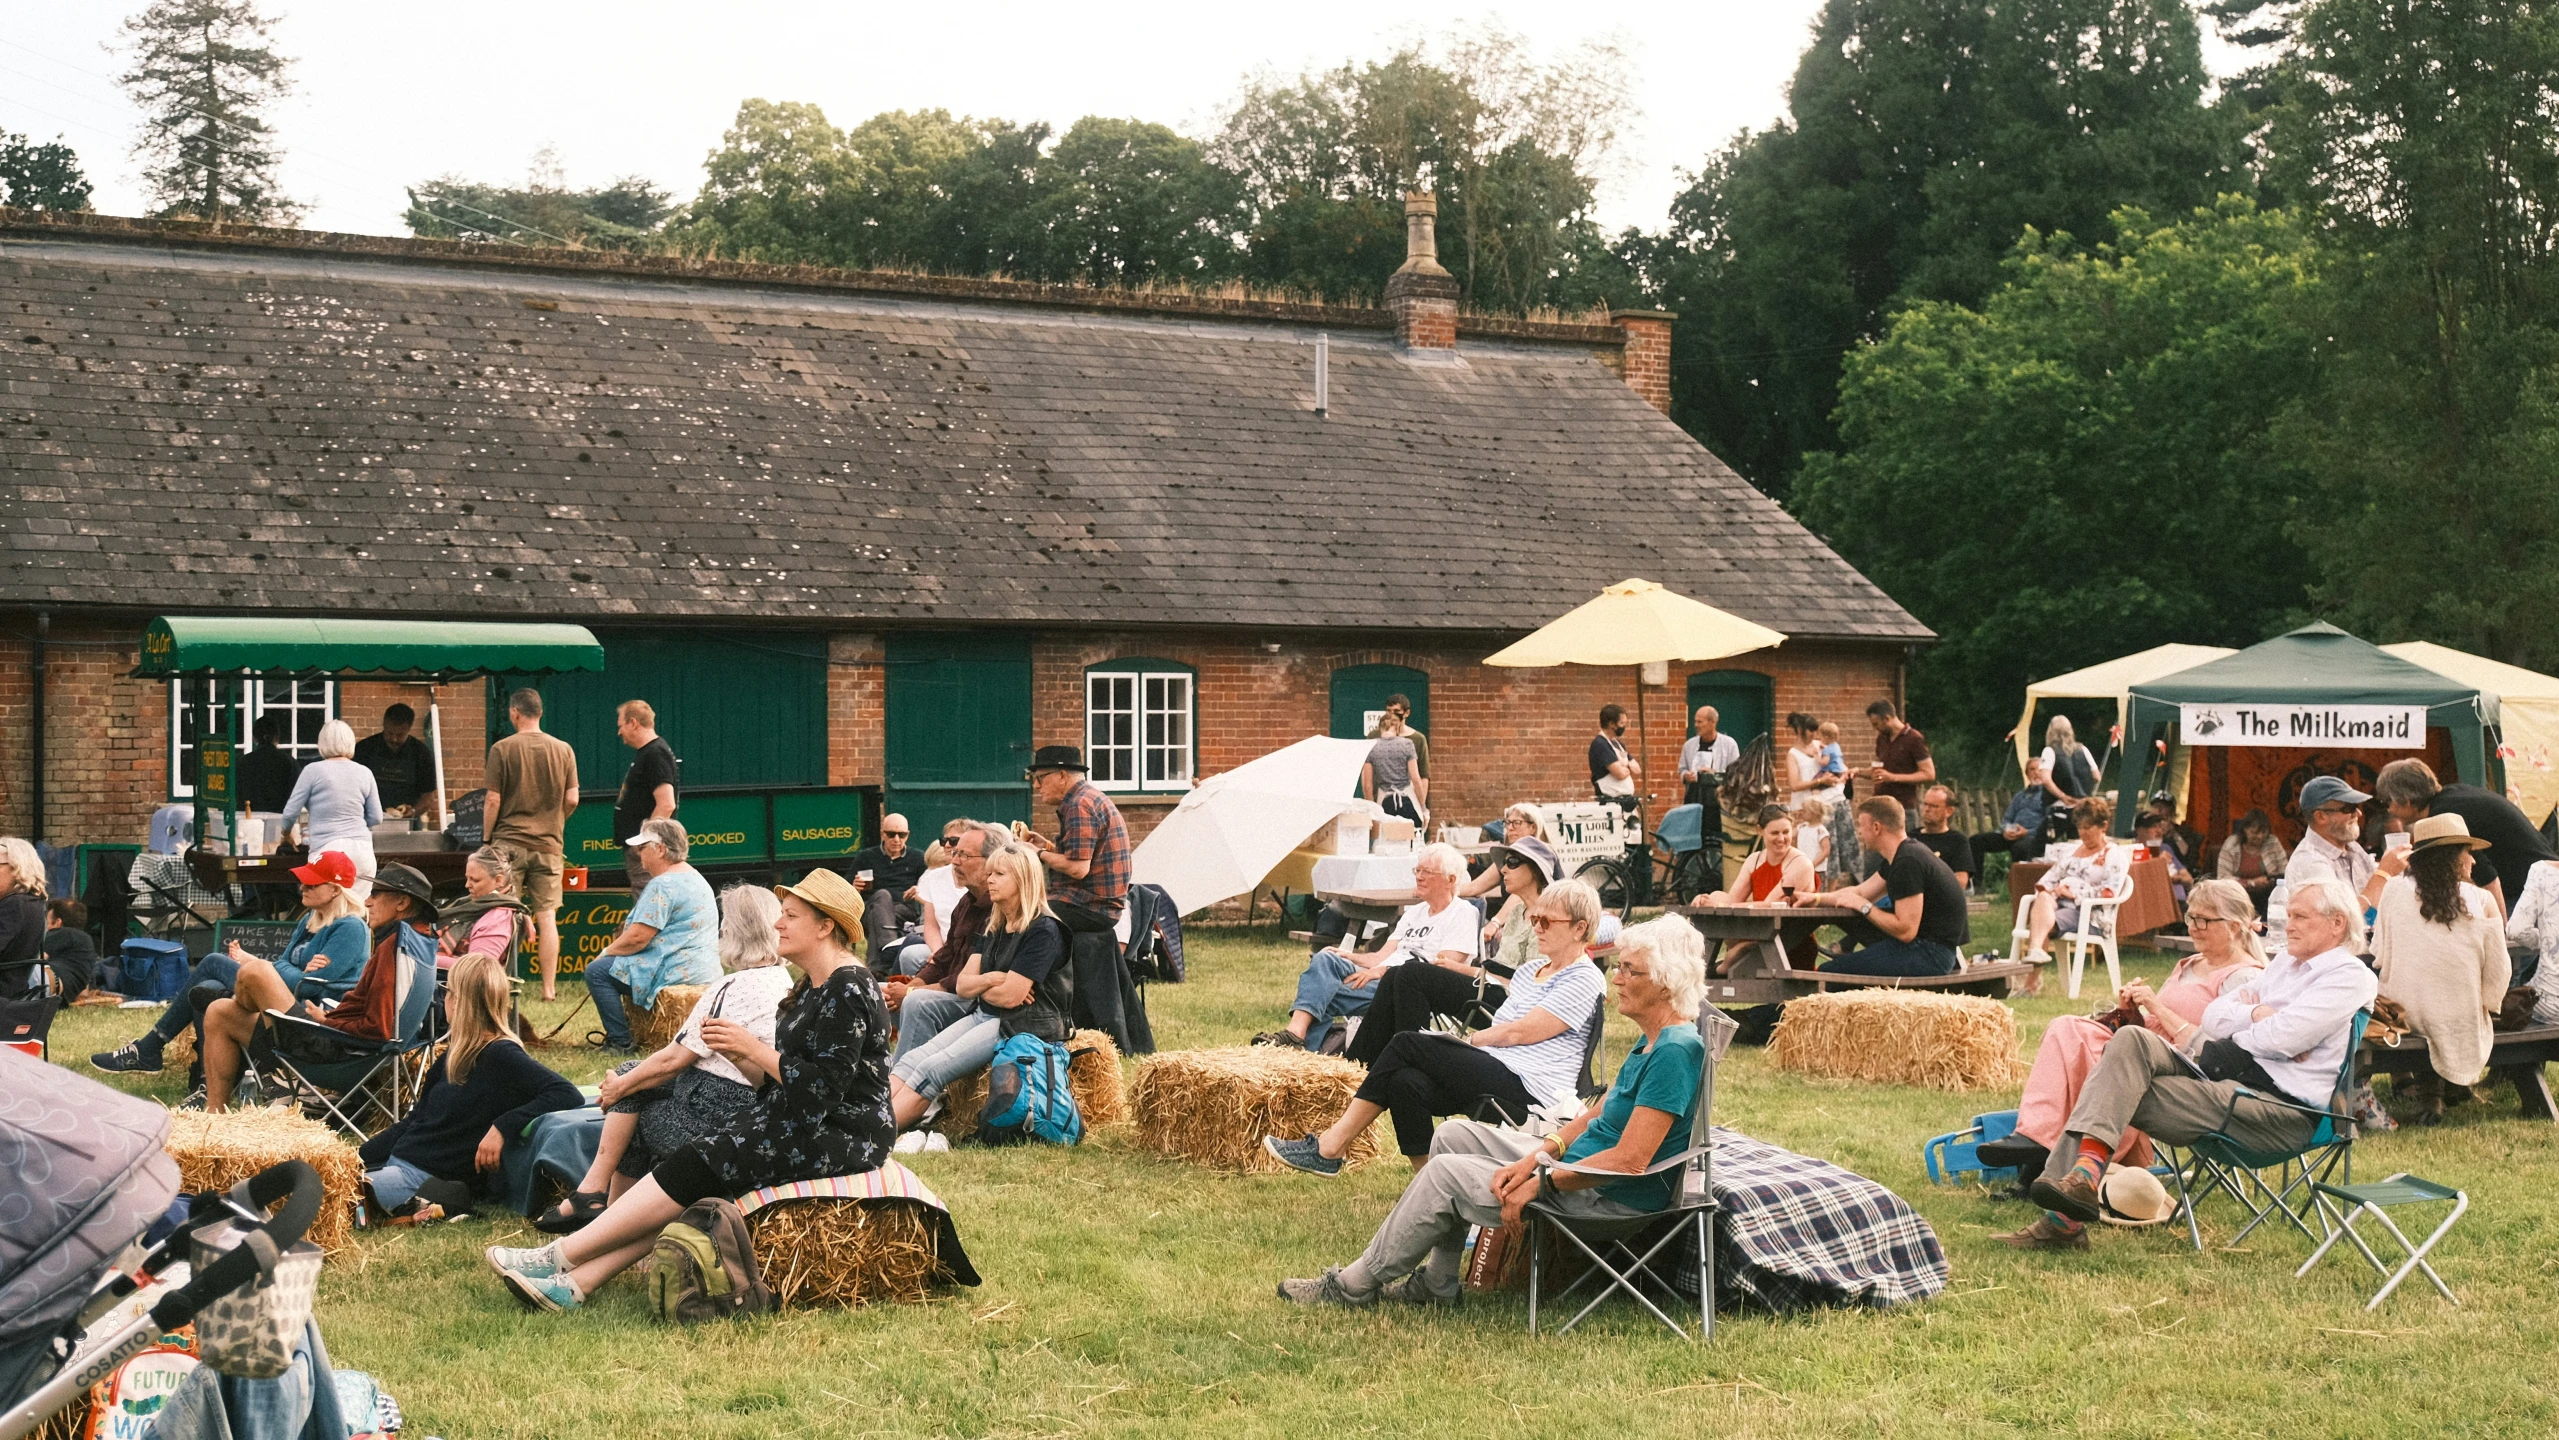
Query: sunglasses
1545,921
893,834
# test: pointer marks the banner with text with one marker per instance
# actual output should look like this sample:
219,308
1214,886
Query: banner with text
2385,727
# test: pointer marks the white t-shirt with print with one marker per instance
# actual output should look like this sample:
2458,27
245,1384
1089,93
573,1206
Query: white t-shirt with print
1419,931
746,997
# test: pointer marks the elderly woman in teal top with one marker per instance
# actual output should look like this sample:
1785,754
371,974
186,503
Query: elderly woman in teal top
671,938
1483,1175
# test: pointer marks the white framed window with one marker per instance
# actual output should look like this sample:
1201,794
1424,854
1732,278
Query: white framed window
1140,725
198,708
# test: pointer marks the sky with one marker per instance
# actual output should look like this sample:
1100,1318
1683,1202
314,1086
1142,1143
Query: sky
388,95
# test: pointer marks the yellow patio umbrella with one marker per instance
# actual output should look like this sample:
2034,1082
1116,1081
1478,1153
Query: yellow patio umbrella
1637,622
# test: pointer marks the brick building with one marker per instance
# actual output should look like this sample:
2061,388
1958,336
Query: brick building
848,528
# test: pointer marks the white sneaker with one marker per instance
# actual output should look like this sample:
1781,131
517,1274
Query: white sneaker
935,1142
909,1143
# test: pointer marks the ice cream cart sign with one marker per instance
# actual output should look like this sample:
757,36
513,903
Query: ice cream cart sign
2377,727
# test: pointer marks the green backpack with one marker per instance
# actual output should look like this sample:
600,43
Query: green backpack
704,1267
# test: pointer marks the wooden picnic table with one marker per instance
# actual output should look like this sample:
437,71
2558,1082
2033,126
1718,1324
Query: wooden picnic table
2515,1055
1759,972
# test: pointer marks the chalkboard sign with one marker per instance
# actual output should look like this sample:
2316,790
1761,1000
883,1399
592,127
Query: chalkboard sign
262,938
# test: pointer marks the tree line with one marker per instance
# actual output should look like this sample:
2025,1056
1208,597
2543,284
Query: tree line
2069,346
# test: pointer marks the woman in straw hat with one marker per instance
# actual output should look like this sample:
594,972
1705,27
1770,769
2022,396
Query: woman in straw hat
821,1105
2442,956
2228,956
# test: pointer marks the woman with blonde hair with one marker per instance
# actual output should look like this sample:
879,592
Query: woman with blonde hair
21,910
657,1104
490,918
343,801
482,1093
2228,956
1016,979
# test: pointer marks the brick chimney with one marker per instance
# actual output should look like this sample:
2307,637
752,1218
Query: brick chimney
1644,362
1421,292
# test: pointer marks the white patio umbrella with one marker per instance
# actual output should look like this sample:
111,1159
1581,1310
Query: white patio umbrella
1236,827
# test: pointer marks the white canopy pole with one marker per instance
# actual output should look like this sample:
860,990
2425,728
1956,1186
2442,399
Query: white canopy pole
435,733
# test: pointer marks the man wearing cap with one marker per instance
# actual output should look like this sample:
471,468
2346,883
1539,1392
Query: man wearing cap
1088,868
2332,847
884,873
671,938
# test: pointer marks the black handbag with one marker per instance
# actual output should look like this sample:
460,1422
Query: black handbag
28,1016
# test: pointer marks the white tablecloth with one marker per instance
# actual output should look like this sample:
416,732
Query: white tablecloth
1336,873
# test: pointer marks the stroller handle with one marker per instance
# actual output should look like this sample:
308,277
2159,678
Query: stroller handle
294,1182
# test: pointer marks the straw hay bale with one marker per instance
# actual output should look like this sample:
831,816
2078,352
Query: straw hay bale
1900,1037
179,1054
655,1031
1092,1072
846,1252
1213,1107
216,1152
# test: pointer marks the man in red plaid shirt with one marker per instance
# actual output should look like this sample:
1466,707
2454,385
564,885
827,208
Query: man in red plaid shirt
1088,862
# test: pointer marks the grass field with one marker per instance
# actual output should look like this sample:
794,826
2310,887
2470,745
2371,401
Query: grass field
1129,1295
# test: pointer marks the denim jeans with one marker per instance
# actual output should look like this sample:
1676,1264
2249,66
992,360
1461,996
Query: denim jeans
218,968
612,1001
922,1015
965,1046
1887,956
1321,993
396,1183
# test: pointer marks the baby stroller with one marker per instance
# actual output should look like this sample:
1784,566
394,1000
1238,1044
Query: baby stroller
83,1176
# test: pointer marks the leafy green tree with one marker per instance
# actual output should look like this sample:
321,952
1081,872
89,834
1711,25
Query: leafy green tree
2421,130
542,211
1136,203
40,177
2086,465
1923,137
204,73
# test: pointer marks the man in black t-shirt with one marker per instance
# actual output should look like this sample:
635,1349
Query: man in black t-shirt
894,868
268,771
403,770
1937,832
1913,920
648,787
1613,771
2411,791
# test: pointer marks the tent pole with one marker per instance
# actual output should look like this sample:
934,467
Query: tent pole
435,733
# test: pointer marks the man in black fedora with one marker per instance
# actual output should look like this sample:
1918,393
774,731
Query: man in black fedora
1088,865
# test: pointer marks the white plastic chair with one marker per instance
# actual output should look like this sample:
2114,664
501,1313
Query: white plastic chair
2091,932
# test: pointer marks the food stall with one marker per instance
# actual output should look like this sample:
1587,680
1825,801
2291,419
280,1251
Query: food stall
234,652
2260,722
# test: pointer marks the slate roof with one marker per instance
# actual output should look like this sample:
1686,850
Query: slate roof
202,424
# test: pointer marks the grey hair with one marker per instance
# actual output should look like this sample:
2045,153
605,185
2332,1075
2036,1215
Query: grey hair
500,862
1677,957
1534,813
2060,731
670,836
2334,900
1575,900
747,913
337,741
992,840
24,863
1443,857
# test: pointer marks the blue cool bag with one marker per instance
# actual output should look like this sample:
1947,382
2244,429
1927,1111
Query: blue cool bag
1027,1096
149,970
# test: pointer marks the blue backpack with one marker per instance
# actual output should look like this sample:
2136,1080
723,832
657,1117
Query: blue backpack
1027,1096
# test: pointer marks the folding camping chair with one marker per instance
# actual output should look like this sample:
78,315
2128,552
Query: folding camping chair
2376,1201
2217,1162
1609,1242
360,1086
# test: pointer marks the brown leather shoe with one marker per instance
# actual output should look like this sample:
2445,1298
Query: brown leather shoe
2047,1234
2074,1195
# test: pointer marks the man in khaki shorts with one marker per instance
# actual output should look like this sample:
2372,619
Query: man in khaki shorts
533,785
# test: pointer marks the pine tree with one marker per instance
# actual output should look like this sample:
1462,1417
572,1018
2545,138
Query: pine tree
204,73
40,177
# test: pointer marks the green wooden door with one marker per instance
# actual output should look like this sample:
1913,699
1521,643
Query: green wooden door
738,708
959,728
1360,691
1745,703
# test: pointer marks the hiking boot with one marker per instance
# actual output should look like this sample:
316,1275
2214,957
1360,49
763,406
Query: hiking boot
2074,1195
1414,1290
2047,1234
134,1058
1306,1155
1324,1289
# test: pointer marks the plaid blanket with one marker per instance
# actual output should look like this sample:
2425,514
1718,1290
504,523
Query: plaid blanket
1794,1233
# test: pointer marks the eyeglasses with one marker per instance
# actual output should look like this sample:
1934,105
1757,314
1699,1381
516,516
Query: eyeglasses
1544,921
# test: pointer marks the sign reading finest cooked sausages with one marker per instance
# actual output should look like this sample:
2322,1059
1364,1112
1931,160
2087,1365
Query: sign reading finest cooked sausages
2377,727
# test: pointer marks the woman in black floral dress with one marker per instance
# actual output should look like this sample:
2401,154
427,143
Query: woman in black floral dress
826,1114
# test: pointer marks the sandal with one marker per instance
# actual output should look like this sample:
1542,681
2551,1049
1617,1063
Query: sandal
572,1214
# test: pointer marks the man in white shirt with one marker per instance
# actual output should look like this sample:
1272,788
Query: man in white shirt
1439,926
2286,1035
2332,848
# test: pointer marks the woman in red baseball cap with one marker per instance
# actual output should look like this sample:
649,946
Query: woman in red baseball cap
321,960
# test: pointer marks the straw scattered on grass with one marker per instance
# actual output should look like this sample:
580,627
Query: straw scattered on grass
1900,1037
846,1252
1212,1107
216,1152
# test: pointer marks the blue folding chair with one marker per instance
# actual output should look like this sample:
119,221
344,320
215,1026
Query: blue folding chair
1679,851
361,1086
2215,1161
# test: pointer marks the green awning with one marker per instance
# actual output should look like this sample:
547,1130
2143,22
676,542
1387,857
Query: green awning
176,645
